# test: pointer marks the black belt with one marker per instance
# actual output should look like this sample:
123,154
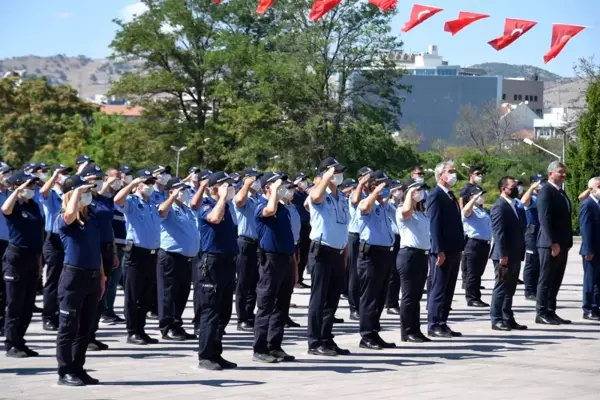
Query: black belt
353,234
481,240
177,255
219,255
381,248
143,250
416,249
22,250
248,239
276,255
93,272
328,248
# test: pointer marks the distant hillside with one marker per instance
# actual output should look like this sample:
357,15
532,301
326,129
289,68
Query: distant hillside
518,71
88,76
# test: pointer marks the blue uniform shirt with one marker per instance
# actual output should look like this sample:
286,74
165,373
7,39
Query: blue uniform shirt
478,225
329,220
245,218
51,207
218,238
81,242
3,225
157,197
104,209
391,210
142,222
354,217
179,233
375,228
25,226
295,221
298,201
531,212
274,233
231,208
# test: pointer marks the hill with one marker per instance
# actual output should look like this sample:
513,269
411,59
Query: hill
518,71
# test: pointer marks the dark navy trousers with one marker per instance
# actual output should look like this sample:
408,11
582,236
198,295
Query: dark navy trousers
247,278
140,282
504,291
53,256
552,272
374,271
591,281
531,270
352,271
411,265
174,279
474,260
441,288
393,293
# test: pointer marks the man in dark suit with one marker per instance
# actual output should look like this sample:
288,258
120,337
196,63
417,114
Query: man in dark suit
589,225
555,238
508,250
447,243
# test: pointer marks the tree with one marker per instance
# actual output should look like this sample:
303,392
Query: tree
487,128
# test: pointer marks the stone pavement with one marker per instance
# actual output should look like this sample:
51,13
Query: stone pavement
554,362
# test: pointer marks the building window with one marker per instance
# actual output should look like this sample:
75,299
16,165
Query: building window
526,98
520,97
516,97
503,96
535,98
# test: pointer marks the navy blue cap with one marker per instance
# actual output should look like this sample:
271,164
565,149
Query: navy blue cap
537,178
251,172
219,177
4,168
145,174
157,169
175,183
411,183
235,177
83,158
380,176
92,170
349,182
270,177
363,171
300,176
63,168
124,169
193,170
73,182
204,174
41,166
22,176
328,163
396,184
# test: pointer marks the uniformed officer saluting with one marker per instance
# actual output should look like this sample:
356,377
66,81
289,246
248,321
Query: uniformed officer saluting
51,199
329,218
276,243
21,261
5,172
82,281
216,271
139,260
375,259
179,245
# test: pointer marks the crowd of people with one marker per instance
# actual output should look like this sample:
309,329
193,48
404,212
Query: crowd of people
376,242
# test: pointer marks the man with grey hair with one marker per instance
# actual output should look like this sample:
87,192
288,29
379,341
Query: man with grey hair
589,225
555,238
447,243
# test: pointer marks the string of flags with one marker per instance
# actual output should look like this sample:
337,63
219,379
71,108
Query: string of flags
513,28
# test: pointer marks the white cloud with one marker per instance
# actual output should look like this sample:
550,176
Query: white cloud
63,15
128,13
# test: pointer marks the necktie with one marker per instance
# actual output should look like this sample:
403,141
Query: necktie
451,194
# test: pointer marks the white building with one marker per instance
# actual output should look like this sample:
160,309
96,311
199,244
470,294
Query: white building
552,124
427,63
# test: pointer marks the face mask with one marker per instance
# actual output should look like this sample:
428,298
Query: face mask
397,194
184,196
147,190
478,179
27,194
514,193
520,189
418,196
337,179
289,194
451,179
61,179
281,192
255,186
116,185
43,176
303,185
163,179
86,199
98,186
230,193
419,179
128,179
195,178
385,193
480,201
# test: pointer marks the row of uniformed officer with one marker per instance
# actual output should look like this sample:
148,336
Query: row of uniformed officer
5,172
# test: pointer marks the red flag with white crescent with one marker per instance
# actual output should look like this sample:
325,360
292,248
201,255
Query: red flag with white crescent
561,34
464,18
513,29
264,5
420,14
322,7
217,1
384,5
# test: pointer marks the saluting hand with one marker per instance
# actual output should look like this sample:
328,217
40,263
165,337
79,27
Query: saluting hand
365,179
329,174
223,191
276,185
24,186
249,180
380,187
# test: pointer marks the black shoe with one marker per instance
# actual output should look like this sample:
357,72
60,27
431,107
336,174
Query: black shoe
481,287
36,309
560,320
189,336
148,339
136,339
264,358
337,320
520,282
152,315
282,356
173,334
369,344
50,326
197,331
500,326
439,332
384,344
477,303
544,320
592,316
16,353
531,297
343,297
245,326
70,380
354,316
515,326
111,320
209,365
393,311
423,337
338,350
96,345
87,379
301,285
413,338
322,351
453,333
291,324
30,353
224,363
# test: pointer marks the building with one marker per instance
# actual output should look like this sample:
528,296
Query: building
429,63
518,90
127,112
553,123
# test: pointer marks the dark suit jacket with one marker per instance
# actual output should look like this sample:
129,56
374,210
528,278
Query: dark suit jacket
589,225
508,235
445,223
554,213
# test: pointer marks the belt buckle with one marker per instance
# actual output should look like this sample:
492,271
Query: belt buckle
152,251
392,248
341,251
488,242
426,252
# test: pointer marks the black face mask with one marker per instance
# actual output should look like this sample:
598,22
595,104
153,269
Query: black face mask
514,193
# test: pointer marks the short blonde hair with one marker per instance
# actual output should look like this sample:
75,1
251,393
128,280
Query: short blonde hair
82,215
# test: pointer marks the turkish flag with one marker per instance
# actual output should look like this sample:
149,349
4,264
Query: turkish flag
384,5
561,34
464,18
322,7
419,14
217,1
513,29
264,5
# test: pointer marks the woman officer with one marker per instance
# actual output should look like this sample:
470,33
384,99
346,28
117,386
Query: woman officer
21,261
81,283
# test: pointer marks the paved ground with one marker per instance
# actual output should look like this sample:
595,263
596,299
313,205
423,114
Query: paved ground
541,363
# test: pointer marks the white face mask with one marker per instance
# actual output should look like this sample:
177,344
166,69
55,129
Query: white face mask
86,199
27,194
520,189
419,179
480,201
98,186
184,196
281,192
195,178
418,196
477,180
289,194
397,194
230,193
303,185
255,186
61,179
146,190
337,179
116,185
451,179
43,176
128,179
163,179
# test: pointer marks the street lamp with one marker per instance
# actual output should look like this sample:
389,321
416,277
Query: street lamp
179,150
532,143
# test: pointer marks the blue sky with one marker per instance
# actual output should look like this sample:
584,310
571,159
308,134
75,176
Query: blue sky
73,27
